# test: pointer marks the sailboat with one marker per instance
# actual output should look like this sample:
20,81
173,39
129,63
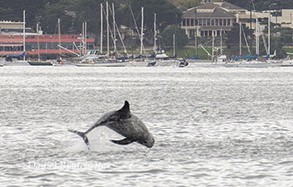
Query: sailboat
2,61
39,62
96,59
248,61
215,59
10,59
140,61
162,59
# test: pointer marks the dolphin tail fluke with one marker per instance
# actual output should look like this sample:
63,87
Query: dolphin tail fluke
82,135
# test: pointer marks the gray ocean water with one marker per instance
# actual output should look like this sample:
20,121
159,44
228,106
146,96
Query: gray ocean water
213,126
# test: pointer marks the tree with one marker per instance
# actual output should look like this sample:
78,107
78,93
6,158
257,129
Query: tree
233,38
181,38
188,3
281,37
89,11
167,13
262,4
49,19
13,10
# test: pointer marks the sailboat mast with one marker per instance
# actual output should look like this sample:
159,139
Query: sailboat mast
24,34
240,38
174,45
38,41
59,37
195,43
221,41
195,34
155,32
85,37
269,33
250,25
141,35
257,36
213,46
101,32
108,32
114,29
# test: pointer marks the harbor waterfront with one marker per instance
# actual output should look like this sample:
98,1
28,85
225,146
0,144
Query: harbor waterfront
212,126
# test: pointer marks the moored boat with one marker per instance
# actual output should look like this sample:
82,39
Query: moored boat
162,59
40,63
2,61
16,63
247,64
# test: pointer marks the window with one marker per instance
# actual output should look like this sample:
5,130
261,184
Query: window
220,22
204,21
217,22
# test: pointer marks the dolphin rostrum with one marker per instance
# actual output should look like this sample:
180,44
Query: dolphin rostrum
124,123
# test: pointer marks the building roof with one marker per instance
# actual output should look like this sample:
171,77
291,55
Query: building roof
216,9
228,5
216,12
207,6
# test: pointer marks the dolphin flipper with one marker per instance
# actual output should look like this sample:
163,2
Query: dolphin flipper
82,135
125,141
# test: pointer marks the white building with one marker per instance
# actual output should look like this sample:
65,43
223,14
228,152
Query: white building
286,18
210,19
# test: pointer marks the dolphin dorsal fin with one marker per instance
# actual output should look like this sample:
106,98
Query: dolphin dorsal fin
125,108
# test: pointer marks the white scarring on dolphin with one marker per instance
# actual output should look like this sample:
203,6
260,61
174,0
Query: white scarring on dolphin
124,123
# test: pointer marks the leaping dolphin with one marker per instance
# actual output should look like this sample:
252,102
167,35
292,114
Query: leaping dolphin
124,123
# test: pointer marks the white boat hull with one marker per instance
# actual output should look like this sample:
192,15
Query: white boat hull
16,63
114,64
169,62
248,64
